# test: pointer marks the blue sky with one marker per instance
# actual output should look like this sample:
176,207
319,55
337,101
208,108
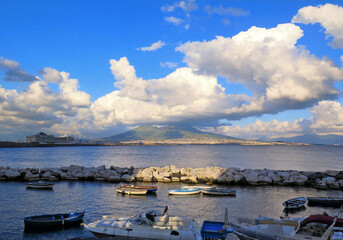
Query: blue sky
91,68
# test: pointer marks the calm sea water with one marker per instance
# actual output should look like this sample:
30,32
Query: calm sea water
313,158
100,198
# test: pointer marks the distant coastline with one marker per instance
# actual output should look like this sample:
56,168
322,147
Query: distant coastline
8,144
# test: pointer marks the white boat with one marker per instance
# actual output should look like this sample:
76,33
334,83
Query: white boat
197,186
40,185
316,227
132,191
149,225
295,203
184,191
219,192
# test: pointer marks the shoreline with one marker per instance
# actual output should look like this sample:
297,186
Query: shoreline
149,143
329,179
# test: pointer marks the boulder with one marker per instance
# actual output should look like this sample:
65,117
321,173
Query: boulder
128,178
114,178
12,174
46,175
166,180
237,178
175,179
174,169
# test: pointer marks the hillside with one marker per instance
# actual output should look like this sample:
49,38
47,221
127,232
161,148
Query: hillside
314,139
178,134
148,132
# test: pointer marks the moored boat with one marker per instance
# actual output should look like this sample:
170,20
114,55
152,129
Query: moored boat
315,227
325,201
184,191
295,203
40,185
198,186
150,189
219,192
52,221
131,191
147,225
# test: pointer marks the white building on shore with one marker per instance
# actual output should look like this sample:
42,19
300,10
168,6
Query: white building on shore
45,138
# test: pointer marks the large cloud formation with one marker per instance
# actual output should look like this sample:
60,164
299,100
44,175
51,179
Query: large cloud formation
329,16
280,75
268,62
38,106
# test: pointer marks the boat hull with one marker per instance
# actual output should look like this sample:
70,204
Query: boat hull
218,192
183,191
39,186
132,191
52,222
326,202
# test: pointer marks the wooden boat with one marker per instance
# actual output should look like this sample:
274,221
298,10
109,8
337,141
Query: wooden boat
219,192
150,189
40,185
53,221
295,203
131,191
146,225
315,227
325,201
184,191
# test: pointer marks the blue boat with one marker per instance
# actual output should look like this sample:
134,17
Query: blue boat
184,191
52,221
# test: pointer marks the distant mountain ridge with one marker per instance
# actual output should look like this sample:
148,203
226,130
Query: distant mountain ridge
314,139
177,131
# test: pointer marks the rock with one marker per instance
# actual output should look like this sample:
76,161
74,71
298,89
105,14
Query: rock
64,175
46,175
53,178
158,177
128,178
175,179
2,173
174,169
332,173
98,179
147,179
267,180
166,180
184,179
237,178
12,174
340,182
193,179
114,178
252,178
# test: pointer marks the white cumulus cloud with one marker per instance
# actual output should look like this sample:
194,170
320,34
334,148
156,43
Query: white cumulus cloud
329,16
266,61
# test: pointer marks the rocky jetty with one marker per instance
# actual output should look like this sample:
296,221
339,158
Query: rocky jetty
229,176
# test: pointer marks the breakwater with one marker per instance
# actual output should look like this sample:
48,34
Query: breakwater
229,176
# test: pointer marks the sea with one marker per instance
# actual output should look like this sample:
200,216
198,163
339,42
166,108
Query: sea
100,198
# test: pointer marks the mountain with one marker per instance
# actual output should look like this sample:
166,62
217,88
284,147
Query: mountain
177,131
313,139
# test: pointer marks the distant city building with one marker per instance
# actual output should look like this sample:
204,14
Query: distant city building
45,138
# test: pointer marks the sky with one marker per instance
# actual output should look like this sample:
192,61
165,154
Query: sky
95,68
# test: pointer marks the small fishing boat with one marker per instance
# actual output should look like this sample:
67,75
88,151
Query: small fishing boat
325,201
150,225
184,191
40,185
52,221
131,191
150,189
197,186
295,203
219,192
